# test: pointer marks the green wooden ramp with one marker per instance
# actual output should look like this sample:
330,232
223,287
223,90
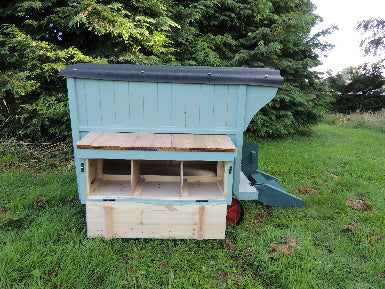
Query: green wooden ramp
261,186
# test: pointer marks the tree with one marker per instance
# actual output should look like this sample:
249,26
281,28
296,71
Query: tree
259,34
358,88
41,37
374,42
362,88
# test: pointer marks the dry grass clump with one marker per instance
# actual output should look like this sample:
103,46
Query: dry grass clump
230,245
354,230
307,191
38,157
262,217
360,119
285,249
358,204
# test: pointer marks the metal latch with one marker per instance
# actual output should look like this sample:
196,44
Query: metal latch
230,169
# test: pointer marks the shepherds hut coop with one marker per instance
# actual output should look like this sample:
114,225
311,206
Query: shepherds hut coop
159,150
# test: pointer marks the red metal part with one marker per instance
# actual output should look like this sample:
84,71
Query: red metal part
234,213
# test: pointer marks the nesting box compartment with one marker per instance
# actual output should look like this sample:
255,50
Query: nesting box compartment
124,179
158,149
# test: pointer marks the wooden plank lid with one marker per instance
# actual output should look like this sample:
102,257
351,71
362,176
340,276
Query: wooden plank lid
157,142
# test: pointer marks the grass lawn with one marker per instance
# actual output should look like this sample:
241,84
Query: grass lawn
336,241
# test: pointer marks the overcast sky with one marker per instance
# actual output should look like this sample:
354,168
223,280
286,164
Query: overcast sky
345,14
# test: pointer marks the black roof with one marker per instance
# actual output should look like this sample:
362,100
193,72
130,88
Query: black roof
175,74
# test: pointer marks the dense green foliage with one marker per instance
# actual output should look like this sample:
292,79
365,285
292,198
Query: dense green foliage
40,37
44,244
361,88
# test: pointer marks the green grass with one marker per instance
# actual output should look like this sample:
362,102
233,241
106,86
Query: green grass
43,239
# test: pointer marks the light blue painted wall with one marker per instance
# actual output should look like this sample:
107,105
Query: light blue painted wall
99,105
141,105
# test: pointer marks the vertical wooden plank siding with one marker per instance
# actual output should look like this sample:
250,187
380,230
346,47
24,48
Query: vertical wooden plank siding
230,178
136,103
192,105
239,138
81,102
206,108
150,104
220,105
73,105
232,106
74,98
122,103
107,102
178,101
164,105
92,93
108,222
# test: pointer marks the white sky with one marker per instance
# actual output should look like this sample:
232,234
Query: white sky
345,14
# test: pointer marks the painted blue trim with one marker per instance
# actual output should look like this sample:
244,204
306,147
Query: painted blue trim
239,136
163,129
154,155
81,180
73,106
230,183
256,98
248,196
164,202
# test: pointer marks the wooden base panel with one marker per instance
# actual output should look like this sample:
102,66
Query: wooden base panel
136,220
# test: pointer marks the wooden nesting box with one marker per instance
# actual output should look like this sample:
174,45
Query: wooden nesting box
158,148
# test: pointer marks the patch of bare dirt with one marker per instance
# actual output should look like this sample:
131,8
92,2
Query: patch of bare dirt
54,273
9,220
325,184
2,210
262,217
376,237
358,204
306,191
162,265
229,245
285,249
334,175
353,229
371,235
70,202
40,200
222,276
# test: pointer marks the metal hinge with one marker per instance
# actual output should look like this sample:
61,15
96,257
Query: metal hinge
82,167
230,169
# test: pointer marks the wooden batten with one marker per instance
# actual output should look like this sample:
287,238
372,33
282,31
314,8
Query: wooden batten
201,222
108,222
